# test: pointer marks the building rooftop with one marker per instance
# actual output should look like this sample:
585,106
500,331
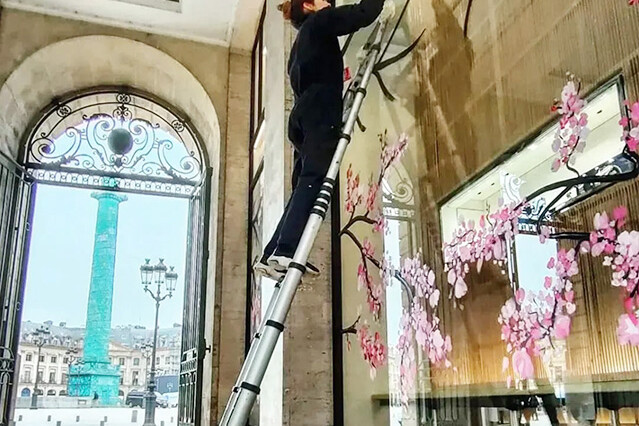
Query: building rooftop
128,336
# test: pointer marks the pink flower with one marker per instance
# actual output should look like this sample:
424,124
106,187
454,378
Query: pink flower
422,318
392,153
433,300
597,249
619,214
621,250
562,327
530,320
622,256
374,290
353,191
420,325
407,364
373,349
460,288
547,282
629,305
509,308
477,245
522,364
633,2
380,224
627,331
573,131
371,199
634,109
505,362
601,221
631,127
367,248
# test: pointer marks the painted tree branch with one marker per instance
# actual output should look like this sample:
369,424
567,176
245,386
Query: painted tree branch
530,321
420,321
352,329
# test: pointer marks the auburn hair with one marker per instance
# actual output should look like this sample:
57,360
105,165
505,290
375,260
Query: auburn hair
293,10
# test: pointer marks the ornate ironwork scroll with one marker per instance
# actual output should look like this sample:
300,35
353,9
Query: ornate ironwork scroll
116,139
620,168
398,194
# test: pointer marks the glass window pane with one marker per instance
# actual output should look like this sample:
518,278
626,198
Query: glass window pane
415,353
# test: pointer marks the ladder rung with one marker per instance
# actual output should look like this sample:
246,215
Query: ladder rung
320,213
362,91
275,324
329,181
250,387
345,136
323,195
297,266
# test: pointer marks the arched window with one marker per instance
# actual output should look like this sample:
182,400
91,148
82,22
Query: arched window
120,139
51,392
25,392
115,139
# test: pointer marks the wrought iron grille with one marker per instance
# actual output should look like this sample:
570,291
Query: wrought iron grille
193,343
16,193
115,139
398,194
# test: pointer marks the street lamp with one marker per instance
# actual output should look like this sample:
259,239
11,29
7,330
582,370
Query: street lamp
146,350
155,275
39,338
72,356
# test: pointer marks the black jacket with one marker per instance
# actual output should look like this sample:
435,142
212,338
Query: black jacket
316,58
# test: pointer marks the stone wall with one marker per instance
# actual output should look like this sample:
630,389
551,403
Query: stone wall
230,296
55,56
25,35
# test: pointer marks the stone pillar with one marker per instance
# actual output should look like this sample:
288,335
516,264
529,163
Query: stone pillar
230,296
95,374
98,328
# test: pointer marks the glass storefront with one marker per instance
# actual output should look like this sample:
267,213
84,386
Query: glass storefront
482,282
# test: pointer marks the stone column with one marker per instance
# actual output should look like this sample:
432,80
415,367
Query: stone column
95,374
98,323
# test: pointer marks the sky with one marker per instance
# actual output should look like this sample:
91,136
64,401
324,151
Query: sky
59,268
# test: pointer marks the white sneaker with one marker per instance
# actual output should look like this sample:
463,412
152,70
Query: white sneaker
281,263
268,271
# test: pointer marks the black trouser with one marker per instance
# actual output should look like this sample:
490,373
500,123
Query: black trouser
313,128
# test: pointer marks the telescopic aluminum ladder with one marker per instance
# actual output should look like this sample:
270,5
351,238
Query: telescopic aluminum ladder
248,383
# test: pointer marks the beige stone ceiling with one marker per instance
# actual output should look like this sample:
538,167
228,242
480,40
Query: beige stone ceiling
221,22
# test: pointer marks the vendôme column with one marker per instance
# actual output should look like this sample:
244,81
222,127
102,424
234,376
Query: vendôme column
94,375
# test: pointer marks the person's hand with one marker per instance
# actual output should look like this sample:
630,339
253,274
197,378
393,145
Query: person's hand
388,11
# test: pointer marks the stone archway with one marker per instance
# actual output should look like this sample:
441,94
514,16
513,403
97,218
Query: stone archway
78,63
75,64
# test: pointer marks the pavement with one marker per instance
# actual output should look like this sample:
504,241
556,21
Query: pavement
99,416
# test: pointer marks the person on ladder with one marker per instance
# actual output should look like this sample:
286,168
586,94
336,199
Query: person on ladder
316,70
